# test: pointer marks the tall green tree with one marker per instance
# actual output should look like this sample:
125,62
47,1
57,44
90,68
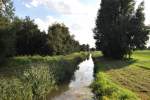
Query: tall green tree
115,28
7,37
60,41
141,31
29,39
84,47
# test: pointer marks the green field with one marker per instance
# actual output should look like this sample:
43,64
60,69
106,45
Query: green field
33,77
122,79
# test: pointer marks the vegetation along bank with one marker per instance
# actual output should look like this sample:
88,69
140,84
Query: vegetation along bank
122,79
33,77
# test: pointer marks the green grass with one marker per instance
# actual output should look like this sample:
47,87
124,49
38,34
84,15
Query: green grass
133,74
33,77
143,59
105,89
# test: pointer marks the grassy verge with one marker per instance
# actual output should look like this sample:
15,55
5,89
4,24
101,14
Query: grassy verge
33,77
105,89
113,76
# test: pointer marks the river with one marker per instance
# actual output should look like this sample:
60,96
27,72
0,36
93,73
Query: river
78,88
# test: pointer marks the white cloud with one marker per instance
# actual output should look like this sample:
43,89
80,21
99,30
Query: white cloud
63,7
78,16
44,24
58,6
27,5
79,26
35,3
147,11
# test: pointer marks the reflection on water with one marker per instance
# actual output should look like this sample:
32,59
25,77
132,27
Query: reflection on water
83,76
78,87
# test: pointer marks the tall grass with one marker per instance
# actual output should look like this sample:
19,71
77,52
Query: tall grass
14,89
32,78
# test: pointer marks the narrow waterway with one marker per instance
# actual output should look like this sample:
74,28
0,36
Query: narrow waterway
78,88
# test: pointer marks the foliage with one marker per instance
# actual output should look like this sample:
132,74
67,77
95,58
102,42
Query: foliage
119,30
7,39
41,80
60,40
33,84
84,47
23,37
14,89
34,77
29,39
6,36
7,9
92,49
139,29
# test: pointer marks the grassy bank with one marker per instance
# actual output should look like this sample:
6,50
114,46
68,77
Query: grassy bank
33,77
115,79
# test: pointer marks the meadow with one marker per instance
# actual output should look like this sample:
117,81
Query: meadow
34,77
122,79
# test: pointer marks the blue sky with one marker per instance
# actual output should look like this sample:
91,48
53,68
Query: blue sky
78,15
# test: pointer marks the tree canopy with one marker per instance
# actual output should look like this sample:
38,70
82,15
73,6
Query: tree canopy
7,9
23,37
119,29
6,37
60,40
29,39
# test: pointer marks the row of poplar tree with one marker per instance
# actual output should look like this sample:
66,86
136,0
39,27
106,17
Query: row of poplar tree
22,36
120,28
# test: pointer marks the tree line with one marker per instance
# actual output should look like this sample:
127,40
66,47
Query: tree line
120,28
22,36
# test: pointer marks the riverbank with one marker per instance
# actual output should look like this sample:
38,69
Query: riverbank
122,79
33,77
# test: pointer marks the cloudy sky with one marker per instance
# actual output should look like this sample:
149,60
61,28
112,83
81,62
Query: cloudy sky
78,15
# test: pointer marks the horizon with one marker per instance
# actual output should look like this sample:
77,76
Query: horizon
47,12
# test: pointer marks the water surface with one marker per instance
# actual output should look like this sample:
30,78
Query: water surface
78,88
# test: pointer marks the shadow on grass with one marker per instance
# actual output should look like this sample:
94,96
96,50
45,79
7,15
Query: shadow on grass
106,64
147,68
